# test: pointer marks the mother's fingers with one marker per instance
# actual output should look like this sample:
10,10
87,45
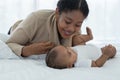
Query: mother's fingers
48,43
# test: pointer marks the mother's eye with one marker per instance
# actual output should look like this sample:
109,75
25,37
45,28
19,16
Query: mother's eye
67,22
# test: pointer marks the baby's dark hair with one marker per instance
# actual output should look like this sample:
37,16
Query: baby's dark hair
70,5
51,60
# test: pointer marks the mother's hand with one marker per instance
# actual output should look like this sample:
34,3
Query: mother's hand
37,48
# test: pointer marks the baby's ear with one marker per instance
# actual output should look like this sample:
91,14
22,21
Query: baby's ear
68,49
69,66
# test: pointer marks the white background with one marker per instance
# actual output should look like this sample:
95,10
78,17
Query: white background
103,19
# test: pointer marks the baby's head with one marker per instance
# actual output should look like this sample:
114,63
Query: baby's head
61,57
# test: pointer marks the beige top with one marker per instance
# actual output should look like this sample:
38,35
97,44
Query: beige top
38,26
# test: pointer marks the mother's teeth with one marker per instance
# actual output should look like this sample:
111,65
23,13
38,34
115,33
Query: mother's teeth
66,32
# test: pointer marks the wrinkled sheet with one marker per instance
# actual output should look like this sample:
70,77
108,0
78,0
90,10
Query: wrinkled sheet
13,67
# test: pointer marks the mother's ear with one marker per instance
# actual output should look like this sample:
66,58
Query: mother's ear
57,14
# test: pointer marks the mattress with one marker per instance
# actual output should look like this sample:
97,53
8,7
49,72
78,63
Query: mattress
13,67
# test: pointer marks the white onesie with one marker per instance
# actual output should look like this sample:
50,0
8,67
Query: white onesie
85,55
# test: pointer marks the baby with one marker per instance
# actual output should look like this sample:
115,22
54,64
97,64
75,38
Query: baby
80,56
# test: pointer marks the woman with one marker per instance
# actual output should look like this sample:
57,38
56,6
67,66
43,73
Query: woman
41,30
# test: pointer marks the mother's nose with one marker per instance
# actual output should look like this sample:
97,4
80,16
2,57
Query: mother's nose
71,28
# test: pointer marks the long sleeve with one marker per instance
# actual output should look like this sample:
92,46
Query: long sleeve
30,30
16,43
21,35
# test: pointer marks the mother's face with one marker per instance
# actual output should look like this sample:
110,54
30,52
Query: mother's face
69,22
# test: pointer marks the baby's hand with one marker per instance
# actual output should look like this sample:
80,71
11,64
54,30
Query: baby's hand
89,33
109,50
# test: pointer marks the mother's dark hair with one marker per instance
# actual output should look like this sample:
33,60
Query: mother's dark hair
70,5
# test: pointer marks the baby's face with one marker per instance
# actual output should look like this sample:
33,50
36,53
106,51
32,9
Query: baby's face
66,55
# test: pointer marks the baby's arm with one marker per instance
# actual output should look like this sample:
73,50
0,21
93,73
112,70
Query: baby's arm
81,39
107,52
100,61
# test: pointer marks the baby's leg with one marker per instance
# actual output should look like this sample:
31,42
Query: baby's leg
109,50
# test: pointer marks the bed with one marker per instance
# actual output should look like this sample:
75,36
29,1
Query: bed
13,67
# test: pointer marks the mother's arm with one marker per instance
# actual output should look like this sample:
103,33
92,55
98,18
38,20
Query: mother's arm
23,35
36,48
18,42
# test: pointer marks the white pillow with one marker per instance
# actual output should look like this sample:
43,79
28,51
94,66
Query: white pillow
6,52
4,37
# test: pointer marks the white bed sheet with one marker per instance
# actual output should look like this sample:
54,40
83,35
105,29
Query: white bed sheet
35,69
